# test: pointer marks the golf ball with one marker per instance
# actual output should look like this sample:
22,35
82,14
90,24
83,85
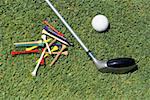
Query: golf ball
100,23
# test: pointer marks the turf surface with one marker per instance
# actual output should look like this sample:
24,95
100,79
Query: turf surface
75,77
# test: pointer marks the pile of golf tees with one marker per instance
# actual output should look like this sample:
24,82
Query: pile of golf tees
52,43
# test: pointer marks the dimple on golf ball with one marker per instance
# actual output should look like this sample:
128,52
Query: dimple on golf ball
100,23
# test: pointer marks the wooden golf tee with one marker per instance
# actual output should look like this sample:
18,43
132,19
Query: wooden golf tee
60,39
47,53
34,47
42,61
44,39
49,25
59,53
13,53
55,48
63,53
26,44
31,48
43,52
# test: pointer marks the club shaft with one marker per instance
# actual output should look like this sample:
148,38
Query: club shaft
67,25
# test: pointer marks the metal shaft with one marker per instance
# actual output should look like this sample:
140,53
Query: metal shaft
68,26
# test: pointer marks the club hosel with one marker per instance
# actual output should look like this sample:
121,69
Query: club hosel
99,64
89,53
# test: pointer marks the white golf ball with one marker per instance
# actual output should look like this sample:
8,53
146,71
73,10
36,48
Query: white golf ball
100,23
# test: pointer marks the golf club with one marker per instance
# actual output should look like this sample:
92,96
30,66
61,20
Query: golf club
118,65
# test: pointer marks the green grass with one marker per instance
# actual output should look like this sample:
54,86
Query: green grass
76,77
